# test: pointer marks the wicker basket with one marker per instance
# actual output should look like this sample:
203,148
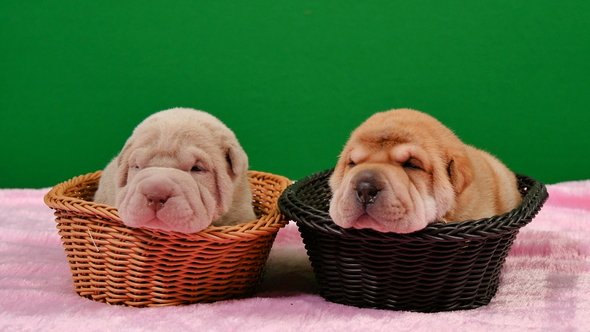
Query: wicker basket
443,267
140,267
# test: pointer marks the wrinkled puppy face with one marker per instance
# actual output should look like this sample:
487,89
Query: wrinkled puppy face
399,171
176,172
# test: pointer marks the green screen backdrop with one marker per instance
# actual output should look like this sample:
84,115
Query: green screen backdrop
292,78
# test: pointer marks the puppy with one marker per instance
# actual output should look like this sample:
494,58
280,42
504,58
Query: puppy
181,170
402,170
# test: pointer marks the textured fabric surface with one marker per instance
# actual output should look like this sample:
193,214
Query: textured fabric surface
545,283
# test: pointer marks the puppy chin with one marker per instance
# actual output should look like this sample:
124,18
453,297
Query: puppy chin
401,227
156,223
365,221
173,222
188,227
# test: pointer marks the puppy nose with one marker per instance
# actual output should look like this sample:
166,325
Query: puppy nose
156,201
366,192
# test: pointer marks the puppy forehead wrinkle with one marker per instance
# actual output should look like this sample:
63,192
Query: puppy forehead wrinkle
403,152
193,154
172,140
139,156
358,154
401,125
182,123
163,160
385,136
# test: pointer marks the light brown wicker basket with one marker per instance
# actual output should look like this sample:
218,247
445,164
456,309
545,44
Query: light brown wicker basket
140,267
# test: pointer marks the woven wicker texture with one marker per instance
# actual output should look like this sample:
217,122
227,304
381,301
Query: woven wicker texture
443,267
140,267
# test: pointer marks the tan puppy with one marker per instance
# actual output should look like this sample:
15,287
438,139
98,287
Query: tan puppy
403,169
181,170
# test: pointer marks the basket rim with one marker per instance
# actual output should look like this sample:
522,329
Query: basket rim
533,199
57,200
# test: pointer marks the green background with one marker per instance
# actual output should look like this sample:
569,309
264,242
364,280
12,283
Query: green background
292,78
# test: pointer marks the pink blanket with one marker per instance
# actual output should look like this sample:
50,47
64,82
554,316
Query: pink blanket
545,283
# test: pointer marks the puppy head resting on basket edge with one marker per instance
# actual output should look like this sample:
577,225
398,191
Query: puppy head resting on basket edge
402,170
181,170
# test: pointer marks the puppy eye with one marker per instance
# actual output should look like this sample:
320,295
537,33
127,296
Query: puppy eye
351,164
412,164
196,169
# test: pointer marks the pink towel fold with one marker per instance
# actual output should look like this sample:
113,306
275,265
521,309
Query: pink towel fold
545,283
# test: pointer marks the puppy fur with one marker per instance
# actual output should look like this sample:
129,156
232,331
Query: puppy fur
181,170
402,170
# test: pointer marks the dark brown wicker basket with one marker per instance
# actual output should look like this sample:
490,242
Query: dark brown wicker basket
443,267
140,267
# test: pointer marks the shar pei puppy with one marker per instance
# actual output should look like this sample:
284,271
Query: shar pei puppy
181,170
402,170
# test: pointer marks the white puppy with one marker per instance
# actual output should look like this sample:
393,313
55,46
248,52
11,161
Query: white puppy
181,170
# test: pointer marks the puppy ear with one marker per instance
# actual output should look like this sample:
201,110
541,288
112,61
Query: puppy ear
123,165
460,172
336,178
237,160
121,174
